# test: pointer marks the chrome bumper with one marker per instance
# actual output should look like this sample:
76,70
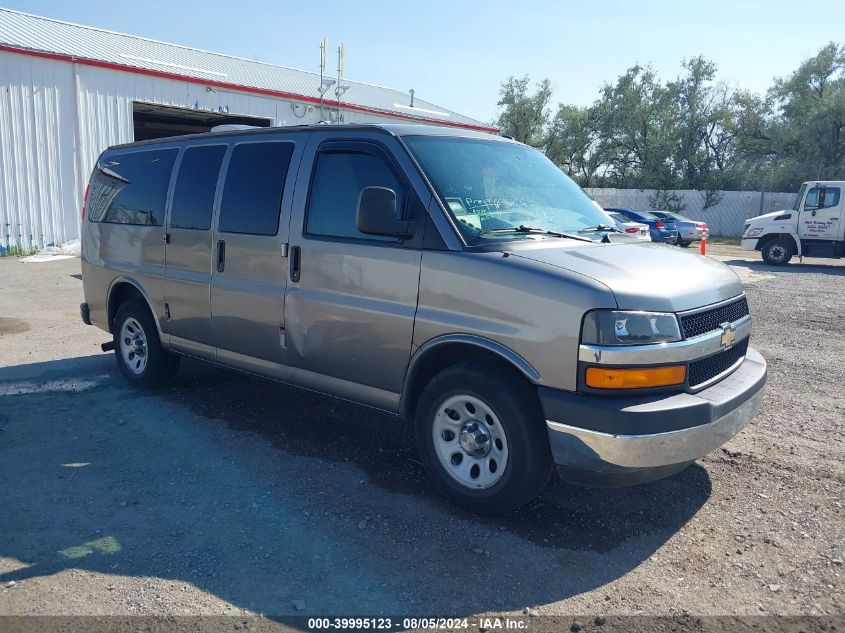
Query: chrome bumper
660,449
627,457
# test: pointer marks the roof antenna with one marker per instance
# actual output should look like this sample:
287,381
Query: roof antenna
411,92
325,82
339,87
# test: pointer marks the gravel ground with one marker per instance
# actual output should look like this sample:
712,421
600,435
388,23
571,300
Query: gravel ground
227,494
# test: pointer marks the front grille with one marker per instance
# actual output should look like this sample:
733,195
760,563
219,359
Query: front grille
704,322
705,369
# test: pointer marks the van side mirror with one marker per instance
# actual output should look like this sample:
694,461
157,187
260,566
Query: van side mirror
377,214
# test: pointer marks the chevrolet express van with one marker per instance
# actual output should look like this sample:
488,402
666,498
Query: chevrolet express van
458,280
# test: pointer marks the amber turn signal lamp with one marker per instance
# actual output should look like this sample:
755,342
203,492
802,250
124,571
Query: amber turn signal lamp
639,378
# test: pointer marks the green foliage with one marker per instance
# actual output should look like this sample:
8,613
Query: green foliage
712,197
663,200
810,121
524,116
17,251
692,132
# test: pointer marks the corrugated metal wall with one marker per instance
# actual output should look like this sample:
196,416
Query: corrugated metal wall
56,117
37,139
723,219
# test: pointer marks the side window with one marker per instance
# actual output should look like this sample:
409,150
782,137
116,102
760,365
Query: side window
131,188
822,198
339,178
255,182
196,182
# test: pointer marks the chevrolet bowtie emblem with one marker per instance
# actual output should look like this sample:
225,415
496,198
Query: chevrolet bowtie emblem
728,335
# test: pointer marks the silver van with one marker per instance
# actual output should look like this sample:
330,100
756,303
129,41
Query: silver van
458,280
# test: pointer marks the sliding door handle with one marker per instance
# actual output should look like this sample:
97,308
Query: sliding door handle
221,256
295,265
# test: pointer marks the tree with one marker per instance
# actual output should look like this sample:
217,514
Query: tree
573,143
522,115
634,120
692,132
810,132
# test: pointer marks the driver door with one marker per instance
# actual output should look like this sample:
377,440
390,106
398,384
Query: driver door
821,214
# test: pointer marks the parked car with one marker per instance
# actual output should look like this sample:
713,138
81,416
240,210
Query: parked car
814,227
659,229
689,231
639,230
455,279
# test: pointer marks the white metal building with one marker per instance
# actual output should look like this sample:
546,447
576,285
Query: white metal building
68,91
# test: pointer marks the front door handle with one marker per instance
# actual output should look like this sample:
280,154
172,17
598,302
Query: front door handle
295,255
221,256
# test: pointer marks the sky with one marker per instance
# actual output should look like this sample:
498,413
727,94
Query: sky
457,53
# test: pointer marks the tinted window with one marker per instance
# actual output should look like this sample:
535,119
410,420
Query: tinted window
196,182
339,178
131,188
255,182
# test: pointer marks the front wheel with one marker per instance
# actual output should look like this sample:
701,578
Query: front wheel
777,252
482,438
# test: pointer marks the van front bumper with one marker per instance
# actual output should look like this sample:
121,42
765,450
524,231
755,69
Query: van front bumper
616,441
749,243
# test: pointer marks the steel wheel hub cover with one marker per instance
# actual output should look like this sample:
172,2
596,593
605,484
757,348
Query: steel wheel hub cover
133,346
470,442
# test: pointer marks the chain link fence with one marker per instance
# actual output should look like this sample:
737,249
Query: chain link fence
725,218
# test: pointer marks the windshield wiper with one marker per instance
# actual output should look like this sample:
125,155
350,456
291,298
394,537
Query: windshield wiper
598,228
536,230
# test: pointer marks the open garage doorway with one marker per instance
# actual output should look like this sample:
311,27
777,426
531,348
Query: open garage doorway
157,121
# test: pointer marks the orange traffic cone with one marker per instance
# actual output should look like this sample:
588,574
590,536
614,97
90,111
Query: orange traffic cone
704,243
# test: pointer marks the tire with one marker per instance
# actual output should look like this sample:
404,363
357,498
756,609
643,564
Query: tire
473,401
142,360
684,243
777,252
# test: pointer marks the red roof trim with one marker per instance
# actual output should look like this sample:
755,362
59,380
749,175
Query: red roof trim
229,86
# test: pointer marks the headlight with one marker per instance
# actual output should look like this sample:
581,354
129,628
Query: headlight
754,232
620,327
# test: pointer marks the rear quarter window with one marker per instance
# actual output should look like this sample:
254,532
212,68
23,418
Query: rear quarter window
131,187
196,183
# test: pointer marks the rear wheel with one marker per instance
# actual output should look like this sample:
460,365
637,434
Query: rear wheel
140,357
482,437
777,252
684,243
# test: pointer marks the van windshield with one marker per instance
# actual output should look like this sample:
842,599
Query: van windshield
493,186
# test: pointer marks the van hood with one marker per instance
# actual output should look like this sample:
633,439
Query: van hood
646,276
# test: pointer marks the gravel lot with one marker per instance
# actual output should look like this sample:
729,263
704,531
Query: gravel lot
227,494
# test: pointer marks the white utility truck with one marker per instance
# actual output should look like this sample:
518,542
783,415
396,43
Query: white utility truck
814,226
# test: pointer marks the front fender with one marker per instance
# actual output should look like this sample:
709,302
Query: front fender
424,351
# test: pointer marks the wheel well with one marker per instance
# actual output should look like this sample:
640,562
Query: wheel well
120,294
438,359
777,236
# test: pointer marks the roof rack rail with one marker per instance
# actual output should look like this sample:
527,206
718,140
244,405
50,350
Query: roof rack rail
232,127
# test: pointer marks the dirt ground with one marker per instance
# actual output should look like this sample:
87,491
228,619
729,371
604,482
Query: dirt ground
227,494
